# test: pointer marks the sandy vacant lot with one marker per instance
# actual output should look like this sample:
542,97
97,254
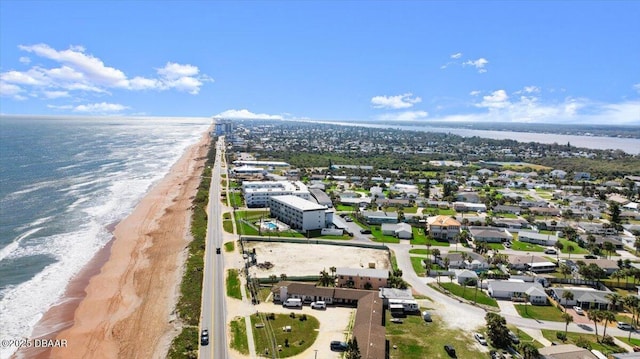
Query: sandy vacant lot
294,259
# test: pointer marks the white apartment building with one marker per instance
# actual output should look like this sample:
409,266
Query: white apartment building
257,194
299,213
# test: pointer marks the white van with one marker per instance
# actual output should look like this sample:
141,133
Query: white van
292,303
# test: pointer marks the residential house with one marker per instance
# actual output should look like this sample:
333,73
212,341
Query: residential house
537,238
517,290
473,261
587,298
379,217
469,207
608,265
489,234
361,278
525,262
507,209
398,230
565,351
443,227
545,211
510,223
466,276
470,197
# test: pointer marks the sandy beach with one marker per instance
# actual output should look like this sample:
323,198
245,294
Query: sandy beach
127,311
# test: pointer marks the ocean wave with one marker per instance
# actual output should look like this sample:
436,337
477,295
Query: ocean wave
15,244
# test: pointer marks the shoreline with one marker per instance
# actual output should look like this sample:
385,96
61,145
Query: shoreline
121,303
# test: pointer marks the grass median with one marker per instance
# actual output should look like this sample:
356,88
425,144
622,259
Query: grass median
470,294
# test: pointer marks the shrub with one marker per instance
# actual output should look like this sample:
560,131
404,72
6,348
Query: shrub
608,340
561,335
583,342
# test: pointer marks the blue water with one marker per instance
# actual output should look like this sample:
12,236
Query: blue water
62,184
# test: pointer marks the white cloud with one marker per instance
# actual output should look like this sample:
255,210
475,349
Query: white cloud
11,90
474,93
102,107
55,94
77,71
403,116
637,87
246,115
24,60
478,64
497,99
395,102
456,55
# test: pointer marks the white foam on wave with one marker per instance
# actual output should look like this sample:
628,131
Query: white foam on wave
15,244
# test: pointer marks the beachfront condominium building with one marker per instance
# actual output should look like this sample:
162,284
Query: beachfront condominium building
300,213
257,194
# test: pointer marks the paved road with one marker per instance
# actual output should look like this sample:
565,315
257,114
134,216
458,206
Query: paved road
213,291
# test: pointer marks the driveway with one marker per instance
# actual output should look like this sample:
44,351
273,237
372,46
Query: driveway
507,307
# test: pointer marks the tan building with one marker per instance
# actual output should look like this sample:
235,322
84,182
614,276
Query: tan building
362,278
443,227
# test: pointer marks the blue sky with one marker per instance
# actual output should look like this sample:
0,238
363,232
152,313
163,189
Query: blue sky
513,61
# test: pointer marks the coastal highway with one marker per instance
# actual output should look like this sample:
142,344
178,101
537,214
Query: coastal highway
213,289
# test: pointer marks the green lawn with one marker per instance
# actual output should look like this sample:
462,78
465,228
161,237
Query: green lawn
376,232
469,294
413,210
229,246
593,343
529,247
418,266
576,248
497,246
235,199
632,342
227,225
506,215
419,251
239,340
415,338
233,284
301,337
540,312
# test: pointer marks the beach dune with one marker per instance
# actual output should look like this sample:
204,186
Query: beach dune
128,307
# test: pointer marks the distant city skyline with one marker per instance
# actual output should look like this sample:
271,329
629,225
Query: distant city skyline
565,62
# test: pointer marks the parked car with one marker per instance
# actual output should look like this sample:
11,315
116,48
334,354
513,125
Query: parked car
550,251
348,219
365,231
480,338
318,305
514,338
578,310
625,326
450,350
590,256
204,337
338,346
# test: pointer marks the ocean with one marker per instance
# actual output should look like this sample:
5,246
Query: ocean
63,184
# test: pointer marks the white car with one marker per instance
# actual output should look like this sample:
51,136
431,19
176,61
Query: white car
318,305
578,310
480,338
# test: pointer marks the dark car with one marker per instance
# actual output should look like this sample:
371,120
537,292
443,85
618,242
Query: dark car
450,350
204,337
365,231
590,256
338,346
218,250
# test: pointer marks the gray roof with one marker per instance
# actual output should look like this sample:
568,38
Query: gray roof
520,287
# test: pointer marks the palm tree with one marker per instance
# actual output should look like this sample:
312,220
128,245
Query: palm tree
608,317
614,300
559,246
570,248
609,247
595,316
567,296
446,261
632,302
565,270
568,318
333,270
